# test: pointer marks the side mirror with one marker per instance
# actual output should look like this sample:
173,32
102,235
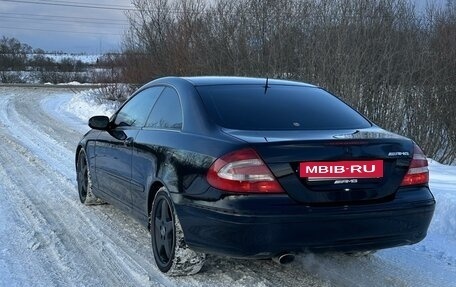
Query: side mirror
99,123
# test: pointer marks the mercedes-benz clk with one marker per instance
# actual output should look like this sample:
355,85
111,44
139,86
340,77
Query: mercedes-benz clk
253,168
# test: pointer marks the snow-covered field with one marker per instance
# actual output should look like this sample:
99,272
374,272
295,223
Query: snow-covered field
88,59
47,238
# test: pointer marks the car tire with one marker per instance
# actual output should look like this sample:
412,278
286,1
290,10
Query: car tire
171,253
84,180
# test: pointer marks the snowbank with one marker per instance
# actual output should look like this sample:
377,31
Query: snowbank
74,83
443,183
87,104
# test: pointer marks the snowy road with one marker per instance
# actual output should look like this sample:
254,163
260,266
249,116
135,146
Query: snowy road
47,238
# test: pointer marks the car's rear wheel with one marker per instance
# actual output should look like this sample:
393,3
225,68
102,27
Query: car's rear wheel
85,181
171,253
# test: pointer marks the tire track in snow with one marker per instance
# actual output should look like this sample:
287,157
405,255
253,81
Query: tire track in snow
72,238
38,232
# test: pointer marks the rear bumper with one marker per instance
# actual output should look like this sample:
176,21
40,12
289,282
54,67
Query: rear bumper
265,226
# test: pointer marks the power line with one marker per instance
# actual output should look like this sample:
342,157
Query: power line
91,6
95,6
81,3
64,17
13,18
61,31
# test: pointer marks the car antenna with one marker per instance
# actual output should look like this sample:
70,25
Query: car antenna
266,86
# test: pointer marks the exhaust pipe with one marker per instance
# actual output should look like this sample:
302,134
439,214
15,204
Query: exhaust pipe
284,258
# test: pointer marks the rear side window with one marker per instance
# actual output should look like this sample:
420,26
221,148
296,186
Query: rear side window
134,113
248,107
167,112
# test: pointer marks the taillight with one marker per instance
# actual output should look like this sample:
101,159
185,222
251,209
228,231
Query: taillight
418,172
242,171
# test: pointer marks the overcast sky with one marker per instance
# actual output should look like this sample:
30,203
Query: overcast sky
69,28
63,26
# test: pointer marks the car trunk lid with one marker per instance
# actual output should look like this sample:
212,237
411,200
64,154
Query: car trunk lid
360,152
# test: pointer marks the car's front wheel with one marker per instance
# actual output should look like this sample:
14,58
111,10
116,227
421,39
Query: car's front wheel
85,181
171,253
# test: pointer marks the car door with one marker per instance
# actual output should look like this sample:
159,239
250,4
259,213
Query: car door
152,144
113,151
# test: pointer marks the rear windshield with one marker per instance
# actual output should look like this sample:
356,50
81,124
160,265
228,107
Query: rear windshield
248,107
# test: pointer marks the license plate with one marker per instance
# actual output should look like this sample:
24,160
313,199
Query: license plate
342,169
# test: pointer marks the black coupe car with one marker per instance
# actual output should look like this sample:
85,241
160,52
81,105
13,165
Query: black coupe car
253,168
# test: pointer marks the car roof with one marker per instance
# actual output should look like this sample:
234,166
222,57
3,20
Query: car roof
225,80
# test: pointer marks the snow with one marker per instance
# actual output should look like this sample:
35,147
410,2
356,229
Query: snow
443,183
85,105
47,238
74,83
58,57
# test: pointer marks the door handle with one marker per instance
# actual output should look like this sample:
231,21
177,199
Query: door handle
128,141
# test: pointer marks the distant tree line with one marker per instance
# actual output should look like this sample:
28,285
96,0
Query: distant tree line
19,62
393,63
